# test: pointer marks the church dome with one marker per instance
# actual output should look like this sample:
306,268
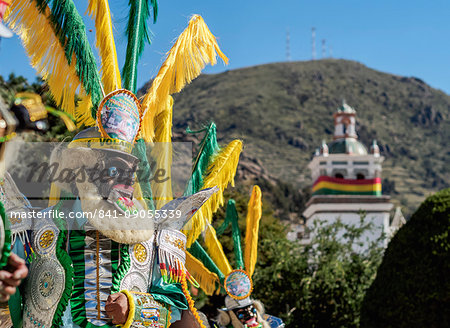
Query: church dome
347,146
346,109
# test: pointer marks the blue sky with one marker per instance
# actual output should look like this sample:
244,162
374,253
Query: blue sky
410,38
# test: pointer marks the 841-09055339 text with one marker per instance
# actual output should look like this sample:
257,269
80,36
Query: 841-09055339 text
113,214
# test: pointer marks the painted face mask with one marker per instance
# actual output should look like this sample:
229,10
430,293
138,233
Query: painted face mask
247,316
117,173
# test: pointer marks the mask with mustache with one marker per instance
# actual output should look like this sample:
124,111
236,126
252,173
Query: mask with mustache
247,316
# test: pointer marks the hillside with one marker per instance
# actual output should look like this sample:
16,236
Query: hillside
282,112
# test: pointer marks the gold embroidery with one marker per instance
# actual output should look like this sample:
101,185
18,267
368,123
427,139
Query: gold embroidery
177,242
140,253
46,238
15,220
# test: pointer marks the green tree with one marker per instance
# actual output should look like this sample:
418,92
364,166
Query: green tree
412,288
15,84
321,284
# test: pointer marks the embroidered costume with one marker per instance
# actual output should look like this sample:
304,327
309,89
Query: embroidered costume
75,266
7,131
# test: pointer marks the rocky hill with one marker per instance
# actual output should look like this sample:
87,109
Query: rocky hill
282,112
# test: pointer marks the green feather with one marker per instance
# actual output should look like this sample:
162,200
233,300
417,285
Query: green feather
232,218
71,31
137,34
144,172
199,253
208,149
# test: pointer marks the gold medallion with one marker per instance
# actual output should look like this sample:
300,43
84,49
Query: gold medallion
46,238
140,253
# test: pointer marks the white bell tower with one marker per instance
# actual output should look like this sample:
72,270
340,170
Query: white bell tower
347,178
345,122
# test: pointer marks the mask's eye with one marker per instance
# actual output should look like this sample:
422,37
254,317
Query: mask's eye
254,310
113,172
240,315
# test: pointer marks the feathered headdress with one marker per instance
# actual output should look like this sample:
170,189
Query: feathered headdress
211,267
62,55
103,97
54,36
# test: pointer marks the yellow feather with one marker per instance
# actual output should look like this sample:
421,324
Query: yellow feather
254,213
208,281
163,128
45,52
216,251
220,173
68,122
99,10
137,195
195,48
162,151
55,195
83,112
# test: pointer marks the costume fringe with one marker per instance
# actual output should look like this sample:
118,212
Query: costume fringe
65,260
99,11
46,53
137,33
184,288
195,48
122,269
216,251
254,213
6,250
162,151
220,173
208,280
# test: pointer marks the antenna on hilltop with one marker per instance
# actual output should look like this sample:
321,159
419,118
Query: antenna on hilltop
324,49
288,46
313,43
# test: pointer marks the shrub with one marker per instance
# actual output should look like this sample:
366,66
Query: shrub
412,287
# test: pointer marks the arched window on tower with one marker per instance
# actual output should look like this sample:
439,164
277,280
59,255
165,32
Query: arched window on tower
362,174
339,173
